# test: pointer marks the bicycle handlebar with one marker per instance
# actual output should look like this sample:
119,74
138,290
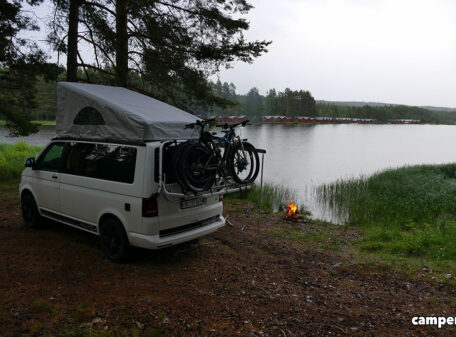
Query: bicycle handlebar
199,123
232,126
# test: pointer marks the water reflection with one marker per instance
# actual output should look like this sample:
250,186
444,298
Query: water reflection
305,156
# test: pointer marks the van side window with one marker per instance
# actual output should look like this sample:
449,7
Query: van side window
102,161
51,159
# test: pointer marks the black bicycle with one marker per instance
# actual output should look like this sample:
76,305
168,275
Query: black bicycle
202,163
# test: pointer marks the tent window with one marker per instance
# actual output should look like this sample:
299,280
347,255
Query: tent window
89,116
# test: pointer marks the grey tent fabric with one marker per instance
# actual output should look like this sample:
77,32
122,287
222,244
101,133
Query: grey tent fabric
117,114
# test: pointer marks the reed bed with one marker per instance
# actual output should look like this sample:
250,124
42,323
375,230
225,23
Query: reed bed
275,197
409,211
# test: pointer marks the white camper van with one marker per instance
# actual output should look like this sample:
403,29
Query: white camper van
103,172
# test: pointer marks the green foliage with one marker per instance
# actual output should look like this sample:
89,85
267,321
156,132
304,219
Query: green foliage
45,100
174,46
301,103
381,112
409,211
12,159
254,103
21,61
287,103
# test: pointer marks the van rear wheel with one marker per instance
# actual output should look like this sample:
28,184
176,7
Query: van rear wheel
114,240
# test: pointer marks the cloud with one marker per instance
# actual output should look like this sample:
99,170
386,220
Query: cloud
392,51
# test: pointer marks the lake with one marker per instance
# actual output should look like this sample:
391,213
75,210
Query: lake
305,156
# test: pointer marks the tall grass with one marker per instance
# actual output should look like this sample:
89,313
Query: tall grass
12,158
407,211
46,123
275,197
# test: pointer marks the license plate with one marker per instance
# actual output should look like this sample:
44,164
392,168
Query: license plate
192,203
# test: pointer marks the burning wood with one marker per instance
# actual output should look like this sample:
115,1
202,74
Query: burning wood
292,209
291,213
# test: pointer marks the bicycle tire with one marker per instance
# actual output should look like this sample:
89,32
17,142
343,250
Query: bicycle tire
197,167
177,164
238,165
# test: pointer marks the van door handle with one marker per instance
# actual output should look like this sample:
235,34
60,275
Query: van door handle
54,177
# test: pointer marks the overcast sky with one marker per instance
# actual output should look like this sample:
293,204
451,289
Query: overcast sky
392,51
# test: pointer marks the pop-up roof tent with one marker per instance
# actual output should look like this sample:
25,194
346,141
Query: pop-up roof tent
99,112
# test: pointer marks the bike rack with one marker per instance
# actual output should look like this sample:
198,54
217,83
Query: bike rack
216,190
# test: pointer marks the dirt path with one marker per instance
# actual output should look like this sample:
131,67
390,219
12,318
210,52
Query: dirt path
55,281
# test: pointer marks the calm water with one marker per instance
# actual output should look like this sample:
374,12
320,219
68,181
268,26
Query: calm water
40,138
304,156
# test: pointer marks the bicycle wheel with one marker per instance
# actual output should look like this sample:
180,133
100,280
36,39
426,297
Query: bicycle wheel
177,156
197,168
244,163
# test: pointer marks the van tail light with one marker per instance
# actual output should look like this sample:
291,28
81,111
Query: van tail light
220,197
150,207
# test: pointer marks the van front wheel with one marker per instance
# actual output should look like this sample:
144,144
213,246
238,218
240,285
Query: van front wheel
114,240
30,212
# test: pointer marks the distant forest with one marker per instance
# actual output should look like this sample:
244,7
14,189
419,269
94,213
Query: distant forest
286,103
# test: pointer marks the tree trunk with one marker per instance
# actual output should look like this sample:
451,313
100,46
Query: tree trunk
121,43
72,57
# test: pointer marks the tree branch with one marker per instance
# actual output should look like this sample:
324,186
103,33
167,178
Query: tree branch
95,4
96,68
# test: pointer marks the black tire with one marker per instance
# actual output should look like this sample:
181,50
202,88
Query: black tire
178,164
30,213
244,163
114,241
197,168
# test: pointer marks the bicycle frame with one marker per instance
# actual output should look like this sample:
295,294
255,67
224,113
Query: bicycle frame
214,144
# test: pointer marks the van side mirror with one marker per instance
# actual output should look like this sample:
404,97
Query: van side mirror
30,162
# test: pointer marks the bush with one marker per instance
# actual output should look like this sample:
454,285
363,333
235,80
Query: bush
12,159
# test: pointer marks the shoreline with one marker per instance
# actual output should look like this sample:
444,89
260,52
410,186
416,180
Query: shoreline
293,277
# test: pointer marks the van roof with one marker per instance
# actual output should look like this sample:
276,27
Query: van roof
100,112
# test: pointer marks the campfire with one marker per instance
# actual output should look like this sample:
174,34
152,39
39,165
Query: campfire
292,213
292,209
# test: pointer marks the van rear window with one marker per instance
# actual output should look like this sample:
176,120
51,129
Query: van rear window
102,161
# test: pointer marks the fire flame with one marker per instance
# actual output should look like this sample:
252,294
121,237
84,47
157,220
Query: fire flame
292,209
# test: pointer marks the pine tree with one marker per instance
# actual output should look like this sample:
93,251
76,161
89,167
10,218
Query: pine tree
21,62
172,45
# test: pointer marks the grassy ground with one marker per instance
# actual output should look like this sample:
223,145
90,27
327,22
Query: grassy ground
36,122
298,277
12,158
407,213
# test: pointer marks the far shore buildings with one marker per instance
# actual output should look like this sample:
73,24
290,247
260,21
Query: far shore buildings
319,120
334,120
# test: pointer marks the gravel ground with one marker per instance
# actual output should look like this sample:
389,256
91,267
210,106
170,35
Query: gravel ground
56,281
